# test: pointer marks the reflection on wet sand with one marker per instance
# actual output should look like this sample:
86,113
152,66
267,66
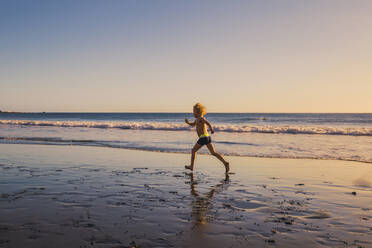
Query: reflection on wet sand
108,198
202,204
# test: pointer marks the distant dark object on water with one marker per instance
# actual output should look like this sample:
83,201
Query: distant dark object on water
14,112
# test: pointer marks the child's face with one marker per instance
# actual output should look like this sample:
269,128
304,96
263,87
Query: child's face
196,113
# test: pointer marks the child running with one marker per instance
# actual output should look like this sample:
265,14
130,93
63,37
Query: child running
201,124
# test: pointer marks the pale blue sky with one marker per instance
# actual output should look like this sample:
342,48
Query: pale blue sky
233,56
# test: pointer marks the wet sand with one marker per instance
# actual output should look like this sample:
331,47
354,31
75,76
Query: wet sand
70,196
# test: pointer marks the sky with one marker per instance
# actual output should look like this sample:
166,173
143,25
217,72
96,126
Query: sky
164,56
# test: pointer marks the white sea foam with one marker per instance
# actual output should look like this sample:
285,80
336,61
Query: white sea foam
171,126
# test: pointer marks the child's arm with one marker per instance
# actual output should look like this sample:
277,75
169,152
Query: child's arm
209,125
190,123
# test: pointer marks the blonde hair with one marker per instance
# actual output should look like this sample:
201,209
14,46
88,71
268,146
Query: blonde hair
200,108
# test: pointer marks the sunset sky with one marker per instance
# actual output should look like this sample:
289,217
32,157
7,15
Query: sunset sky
163,56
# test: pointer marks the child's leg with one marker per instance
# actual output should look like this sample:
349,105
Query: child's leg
193,154
217,155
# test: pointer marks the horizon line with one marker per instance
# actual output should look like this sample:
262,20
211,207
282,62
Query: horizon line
172,112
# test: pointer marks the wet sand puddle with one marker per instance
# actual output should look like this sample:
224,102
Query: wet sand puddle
95,206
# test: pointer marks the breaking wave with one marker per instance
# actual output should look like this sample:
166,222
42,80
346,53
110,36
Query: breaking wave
233,128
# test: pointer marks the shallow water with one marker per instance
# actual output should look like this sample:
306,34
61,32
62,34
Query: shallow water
280,145
318,136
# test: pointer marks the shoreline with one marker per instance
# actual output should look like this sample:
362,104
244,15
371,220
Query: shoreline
185,153
93,197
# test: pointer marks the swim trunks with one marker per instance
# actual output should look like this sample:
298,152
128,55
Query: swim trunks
204,140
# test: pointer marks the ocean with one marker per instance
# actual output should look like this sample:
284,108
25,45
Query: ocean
279,135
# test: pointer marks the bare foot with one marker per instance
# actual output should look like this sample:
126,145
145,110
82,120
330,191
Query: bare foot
188,167
227,167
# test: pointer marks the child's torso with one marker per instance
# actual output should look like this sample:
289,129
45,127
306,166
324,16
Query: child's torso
201,127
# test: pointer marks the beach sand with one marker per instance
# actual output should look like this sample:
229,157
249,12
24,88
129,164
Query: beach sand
71,196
